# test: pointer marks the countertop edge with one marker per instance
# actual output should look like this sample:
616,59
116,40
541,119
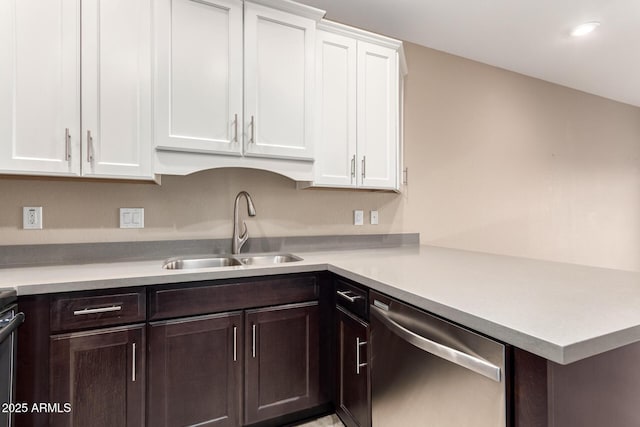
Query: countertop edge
163,279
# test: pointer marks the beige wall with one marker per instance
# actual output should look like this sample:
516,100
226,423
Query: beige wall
505,163
498,162
186,207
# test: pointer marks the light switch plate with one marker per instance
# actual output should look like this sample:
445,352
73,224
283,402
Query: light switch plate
131,217
32,217
358,217
374,217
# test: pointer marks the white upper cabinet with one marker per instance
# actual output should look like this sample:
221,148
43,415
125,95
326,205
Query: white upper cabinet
41,93
116,88
199,70
279,70
335,164
132,88
358,109
235,86
40,87
378,142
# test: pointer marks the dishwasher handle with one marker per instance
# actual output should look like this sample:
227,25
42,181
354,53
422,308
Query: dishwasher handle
465,360
11,326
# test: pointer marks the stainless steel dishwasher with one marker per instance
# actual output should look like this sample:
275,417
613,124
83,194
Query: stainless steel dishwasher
429,372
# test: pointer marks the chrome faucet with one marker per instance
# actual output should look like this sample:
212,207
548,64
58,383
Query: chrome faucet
240,240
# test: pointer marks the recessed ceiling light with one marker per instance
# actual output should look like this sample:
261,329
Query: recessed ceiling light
584,29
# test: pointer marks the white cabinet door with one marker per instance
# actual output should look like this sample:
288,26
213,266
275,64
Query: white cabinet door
198,95
335,163
40,87
279,71
377,116
116,88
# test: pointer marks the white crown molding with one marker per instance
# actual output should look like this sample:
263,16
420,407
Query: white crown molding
367,36
292,7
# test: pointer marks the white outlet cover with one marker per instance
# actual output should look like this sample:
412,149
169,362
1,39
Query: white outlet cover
358,217
131,217
32,217
374,217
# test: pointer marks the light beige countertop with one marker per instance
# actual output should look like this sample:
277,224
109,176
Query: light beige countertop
562,312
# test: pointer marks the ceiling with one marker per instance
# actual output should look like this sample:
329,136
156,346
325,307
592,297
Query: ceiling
531,37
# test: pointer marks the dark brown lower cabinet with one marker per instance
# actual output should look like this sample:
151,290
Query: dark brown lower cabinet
601,390
101,374
282,360
195,363
195,371
354,380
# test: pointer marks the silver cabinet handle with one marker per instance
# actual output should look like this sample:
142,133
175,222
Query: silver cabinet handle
364,167
67,144
89,147
358,364
353,166
253,131
465,360
235,129
133,364
97,310
345,295
253,340
235,343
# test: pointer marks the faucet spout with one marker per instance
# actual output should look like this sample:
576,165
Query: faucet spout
240,237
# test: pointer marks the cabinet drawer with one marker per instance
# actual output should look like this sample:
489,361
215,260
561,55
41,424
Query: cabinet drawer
70,312
352,297
212,297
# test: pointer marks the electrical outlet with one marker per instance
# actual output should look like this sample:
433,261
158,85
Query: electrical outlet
32,217
358,217
374,217
131,217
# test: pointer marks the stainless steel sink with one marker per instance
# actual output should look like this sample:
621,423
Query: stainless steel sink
227,261
189,263
267,259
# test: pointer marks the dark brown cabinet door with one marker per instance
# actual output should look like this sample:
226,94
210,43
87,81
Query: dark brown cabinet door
195,371
282,360
354,384
101,374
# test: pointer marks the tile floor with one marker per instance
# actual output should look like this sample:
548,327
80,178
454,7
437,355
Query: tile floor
328,421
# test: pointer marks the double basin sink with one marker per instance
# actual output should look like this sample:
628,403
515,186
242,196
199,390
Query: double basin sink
228,260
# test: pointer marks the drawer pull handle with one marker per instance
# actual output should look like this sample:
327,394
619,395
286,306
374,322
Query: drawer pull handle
97,310
350,298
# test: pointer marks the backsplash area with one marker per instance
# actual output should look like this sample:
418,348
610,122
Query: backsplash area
88,253
198,206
